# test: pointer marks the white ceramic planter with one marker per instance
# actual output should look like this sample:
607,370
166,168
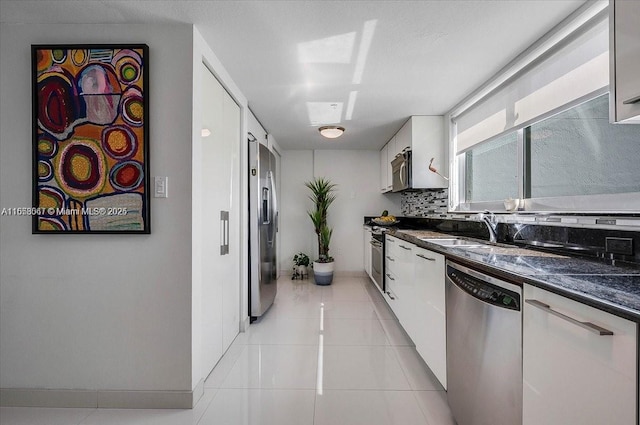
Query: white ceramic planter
302,271
323,273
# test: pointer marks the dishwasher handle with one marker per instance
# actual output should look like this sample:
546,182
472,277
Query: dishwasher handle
584,325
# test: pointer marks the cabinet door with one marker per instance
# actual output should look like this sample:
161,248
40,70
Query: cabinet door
427,141
403,137
220,288
390,252
398,261
430,336
405,288
384,172
574,375
625,51
390,155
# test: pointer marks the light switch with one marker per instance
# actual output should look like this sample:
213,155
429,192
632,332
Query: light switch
160,187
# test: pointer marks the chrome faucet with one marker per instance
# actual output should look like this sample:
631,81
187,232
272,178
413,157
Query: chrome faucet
489,219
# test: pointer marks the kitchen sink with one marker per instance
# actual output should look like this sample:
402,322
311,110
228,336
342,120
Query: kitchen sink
456,242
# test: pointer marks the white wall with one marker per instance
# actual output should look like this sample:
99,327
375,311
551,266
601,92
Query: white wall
296,230
98,311
357,174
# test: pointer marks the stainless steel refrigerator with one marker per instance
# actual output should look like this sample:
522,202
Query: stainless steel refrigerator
263,227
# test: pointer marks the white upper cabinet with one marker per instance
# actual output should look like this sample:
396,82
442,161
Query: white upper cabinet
424,135
427,141
384,173
387,153
403,138
624,26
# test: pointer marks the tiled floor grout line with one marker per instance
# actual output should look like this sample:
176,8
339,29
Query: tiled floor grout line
234,362
91,412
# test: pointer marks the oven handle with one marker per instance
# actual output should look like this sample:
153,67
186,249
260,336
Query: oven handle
376,244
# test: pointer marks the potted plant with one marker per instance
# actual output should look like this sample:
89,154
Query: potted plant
322,196
301,261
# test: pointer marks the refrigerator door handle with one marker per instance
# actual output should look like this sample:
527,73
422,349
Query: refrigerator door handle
224,232
272,213
266,207
274,204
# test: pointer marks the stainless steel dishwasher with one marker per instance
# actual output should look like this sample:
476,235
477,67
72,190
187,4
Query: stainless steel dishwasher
484,348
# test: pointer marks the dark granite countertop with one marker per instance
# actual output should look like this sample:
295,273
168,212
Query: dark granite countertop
612,288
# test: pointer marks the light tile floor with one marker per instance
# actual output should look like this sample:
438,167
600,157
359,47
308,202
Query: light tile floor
331,355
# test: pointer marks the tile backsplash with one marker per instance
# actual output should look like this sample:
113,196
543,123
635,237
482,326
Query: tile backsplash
424,203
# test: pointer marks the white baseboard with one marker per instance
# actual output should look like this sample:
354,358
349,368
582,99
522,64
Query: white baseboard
197,392
24,397
145,399
244,325
17,397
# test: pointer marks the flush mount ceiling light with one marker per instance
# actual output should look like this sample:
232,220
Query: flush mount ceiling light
331,131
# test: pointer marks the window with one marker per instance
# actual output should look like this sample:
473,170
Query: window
491,170
578,152
540,131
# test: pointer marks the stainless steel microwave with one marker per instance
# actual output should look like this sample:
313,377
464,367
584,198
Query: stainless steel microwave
401,171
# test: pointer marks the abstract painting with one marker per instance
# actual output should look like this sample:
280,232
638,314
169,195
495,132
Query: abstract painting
90,138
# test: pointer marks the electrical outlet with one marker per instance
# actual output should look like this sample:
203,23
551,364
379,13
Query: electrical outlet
622,246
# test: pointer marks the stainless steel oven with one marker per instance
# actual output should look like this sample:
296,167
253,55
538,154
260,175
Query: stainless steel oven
377,260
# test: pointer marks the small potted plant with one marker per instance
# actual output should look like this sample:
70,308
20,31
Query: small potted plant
301,261
322,196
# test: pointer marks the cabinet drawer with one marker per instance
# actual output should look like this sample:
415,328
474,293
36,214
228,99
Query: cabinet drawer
391,288
391,261
391,245
572,373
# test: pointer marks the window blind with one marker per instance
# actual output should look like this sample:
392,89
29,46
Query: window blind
574,68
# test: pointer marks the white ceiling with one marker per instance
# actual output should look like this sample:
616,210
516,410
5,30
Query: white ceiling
300,62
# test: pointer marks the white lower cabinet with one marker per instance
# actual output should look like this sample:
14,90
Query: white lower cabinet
430,333
399,280
573,374
405,286
391,296
390,279
415,292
